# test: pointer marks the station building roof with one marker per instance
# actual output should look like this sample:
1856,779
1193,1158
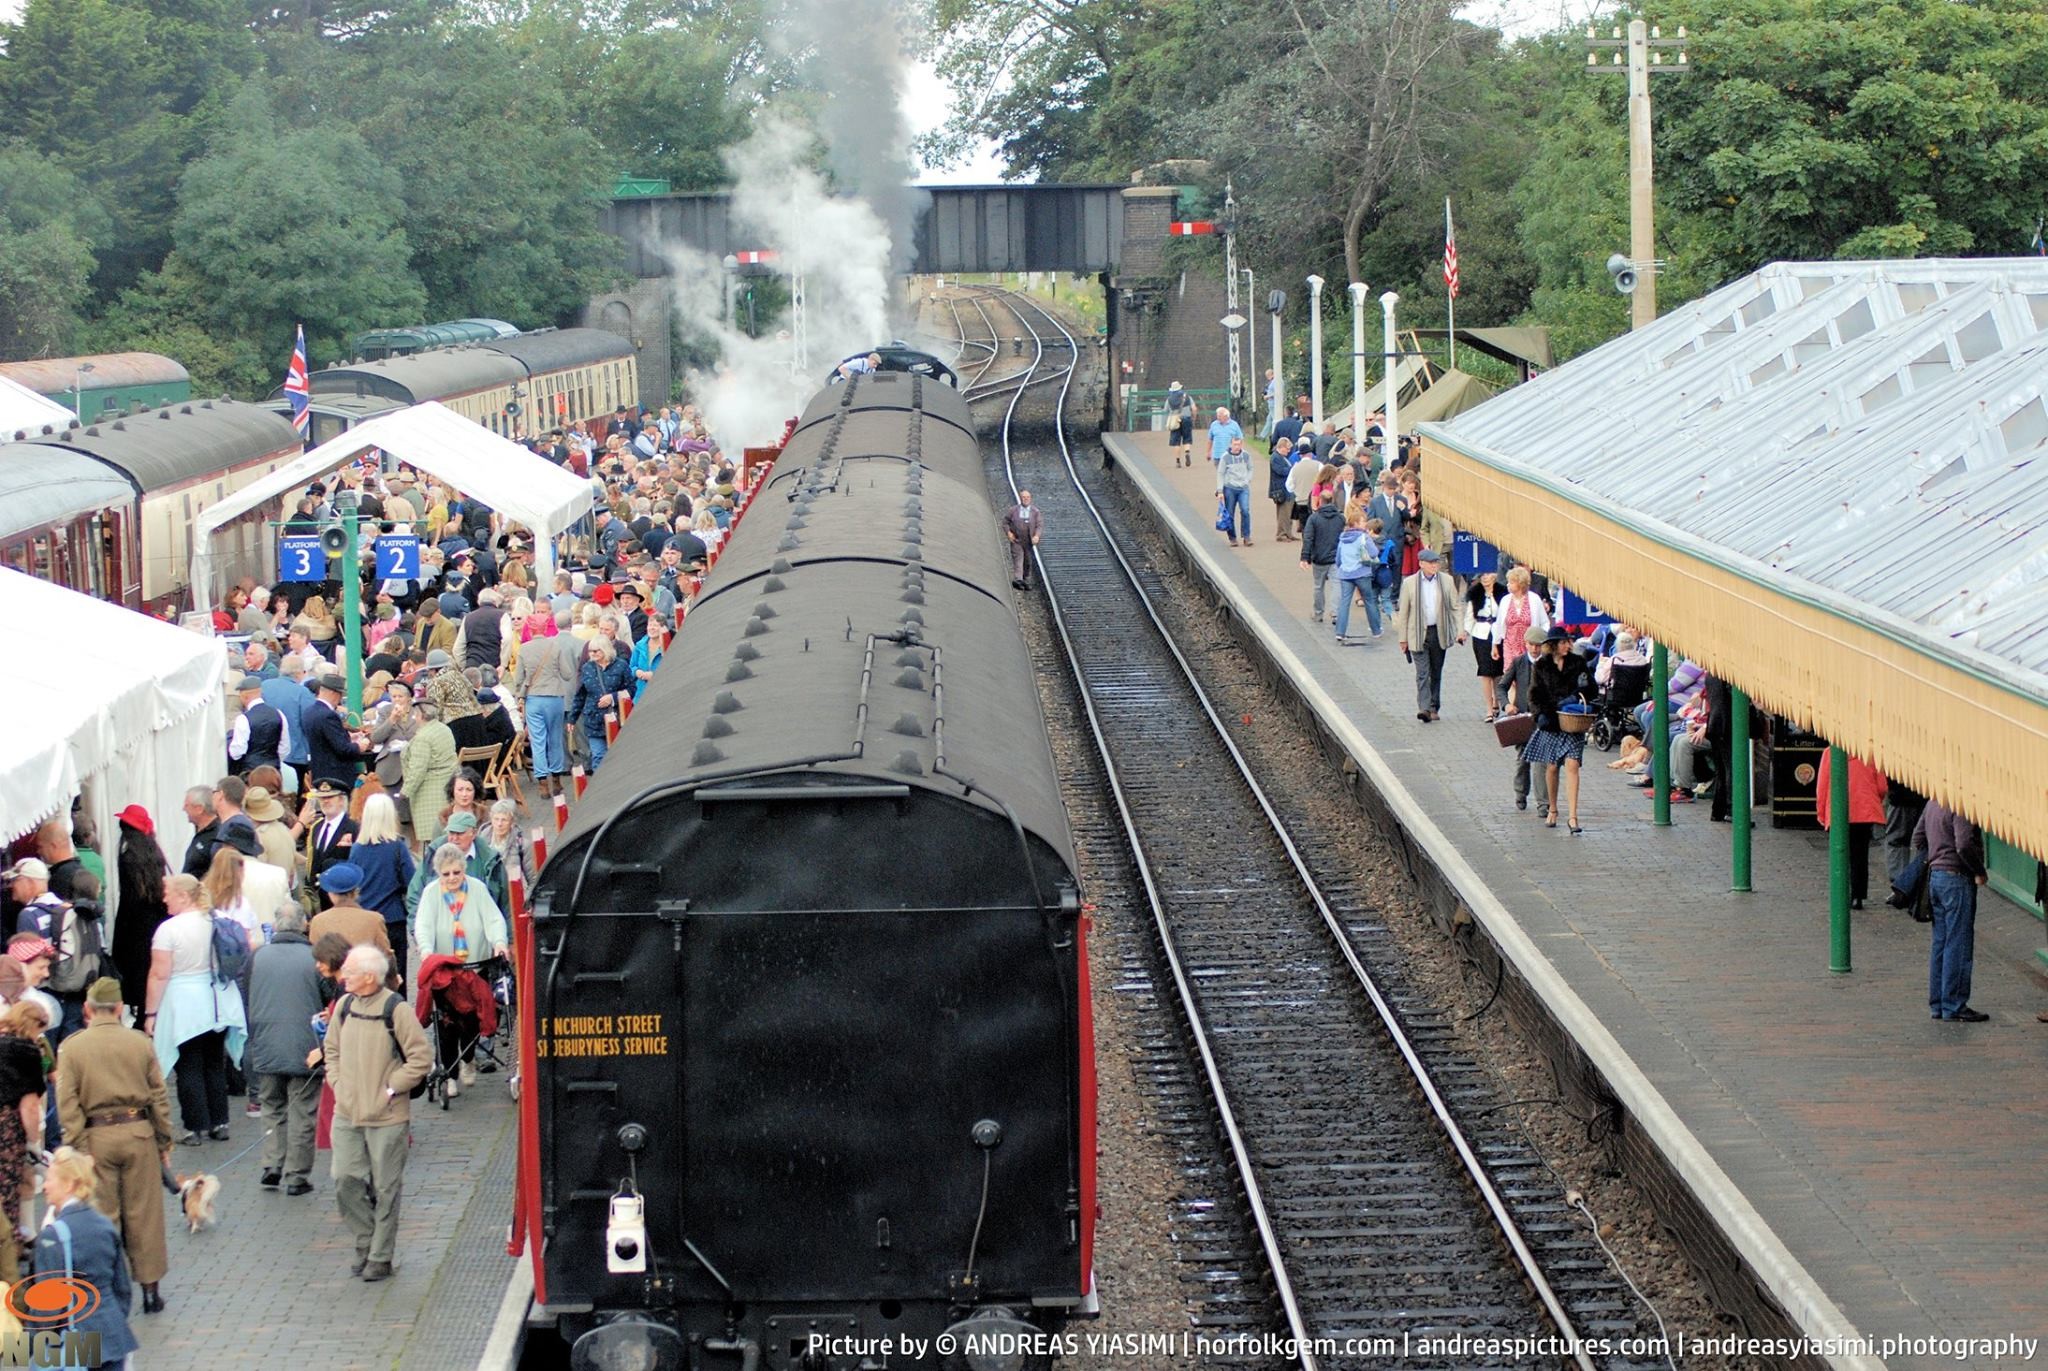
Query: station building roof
1826,482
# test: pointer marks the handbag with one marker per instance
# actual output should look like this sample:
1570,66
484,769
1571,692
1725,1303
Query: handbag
1515,730
1910,892
1222,515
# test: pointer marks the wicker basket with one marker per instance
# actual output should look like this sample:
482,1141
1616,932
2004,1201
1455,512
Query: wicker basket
1574,723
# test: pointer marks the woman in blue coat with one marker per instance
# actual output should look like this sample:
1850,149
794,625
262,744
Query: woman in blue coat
79,1247
605,678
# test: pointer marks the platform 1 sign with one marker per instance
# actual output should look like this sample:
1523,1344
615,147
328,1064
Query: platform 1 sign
1471,555
1573,609
301,558
398,557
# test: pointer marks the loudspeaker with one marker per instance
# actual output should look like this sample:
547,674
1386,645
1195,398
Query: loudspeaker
334,540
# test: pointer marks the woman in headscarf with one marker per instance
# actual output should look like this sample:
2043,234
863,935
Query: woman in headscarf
141,868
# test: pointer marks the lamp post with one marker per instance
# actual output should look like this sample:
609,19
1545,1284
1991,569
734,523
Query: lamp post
1251,338
78,388
732,277
1276,305
1358,292
1392,436
1315,350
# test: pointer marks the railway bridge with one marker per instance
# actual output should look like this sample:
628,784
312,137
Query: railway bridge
1115,232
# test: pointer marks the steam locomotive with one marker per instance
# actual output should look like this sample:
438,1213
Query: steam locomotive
814,1077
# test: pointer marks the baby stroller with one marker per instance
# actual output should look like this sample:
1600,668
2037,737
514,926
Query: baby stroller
1628,685
462,1006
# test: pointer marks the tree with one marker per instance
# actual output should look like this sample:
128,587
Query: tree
279,228
1811,129
49,226
120,93
498,189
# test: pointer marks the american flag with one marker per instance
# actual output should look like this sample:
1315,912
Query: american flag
297,388
1450,252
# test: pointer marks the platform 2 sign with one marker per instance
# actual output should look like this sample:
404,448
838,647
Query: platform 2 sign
1575,609
301,558
1472,555
398,557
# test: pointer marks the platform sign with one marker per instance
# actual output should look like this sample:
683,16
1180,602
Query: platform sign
398,557
1573,609
301,558
1471,555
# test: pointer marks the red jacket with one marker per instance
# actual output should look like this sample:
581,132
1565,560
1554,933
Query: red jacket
1866,791
462,990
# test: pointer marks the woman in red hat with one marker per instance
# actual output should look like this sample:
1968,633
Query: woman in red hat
141,868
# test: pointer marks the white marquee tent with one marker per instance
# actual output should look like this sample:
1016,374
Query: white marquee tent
475,461
21,408
106,701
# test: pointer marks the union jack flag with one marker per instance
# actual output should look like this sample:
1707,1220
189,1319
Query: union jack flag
297,387
1450,252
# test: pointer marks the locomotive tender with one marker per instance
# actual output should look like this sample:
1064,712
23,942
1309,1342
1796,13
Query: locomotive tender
814,1083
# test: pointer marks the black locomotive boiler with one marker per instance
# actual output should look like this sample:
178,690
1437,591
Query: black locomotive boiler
814,1081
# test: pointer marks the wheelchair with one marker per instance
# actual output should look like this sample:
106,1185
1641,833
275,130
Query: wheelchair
1628,685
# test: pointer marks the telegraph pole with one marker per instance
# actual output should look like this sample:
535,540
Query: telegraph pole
1644,49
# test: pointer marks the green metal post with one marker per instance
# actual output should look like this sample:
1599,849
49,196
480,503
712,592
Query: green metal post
352,611
1738,783
1660,736
1838,859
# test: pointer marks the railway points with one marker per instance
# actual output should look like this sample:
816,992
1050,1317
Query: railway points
1785,1106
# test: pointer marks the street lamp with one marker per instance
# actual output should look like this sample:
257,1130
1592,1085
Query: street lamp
1393,432
1315,350
1251,337
78,389
1276,305
1358,293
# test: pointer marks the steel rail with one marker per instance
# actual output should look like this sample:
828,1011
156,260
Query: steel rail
1268,1230
1467,1155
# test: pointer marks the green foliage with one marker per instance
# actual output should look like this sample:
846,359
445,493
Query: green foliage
120,93
49,226
164,313
1815,129
276,229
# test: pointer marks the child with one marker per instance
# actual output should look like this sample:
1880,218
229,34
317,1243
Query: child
1358,559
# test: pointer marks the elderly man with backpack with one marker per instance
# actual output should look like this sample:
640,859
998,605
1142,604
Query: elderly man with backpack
376,1057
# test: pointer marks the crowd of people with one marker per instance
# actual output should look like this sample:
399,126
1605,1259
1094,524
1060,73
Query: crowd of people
340,859
1367,539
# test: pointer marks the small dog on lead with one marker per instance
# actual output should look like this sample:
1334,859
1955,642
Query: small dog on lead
195,1195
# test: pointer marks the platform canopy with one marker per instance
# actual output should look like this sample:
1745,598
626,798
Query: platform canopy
1827,483
103,700
22,410
431,438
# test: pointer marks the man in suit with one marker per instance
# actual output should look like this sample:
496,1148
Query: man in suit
330,832
1427,623
334,753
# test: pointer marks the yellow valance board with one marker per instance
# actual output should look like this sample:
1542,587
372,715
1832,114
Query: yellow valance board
1957,725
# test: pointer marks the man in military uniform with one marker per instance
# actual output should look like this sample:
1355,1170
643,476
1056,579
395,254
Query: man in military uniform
112,1104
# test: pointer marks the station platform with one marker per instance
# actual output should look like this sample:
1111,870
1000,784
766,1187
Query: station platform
1880,1173
269,1285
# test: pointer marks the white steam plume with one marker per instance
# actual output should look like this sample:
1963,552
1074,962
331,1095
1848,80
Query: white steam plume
849,246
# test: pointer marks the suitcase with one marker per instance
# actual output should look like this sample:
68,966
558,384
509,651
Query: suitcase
1515,730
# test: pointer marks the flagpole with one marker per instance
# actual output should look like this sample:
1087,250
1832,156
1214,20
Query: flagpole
1450,293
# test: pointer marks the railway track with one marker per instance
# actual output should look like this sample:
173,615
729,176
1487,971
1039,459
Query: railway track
1371,1217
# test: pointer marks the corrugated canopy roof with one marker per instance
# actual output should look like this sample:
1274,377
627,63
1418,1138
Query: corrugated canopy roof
1874,428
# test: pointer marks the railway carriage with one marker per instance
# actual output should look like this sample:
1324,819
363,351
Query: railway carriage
173,461
516,385
104,384
814,1066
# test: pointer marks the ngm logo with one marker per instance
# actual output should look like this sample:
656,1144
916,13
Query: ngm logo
49,1308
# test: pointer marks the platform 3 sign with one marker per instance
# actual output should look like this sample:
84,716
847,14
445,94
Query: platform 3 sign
300,558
